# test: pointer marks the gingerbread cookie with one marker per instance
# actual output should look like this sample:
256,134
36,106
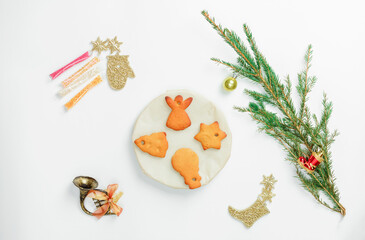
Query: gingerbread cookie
178,118
186,162
210,136
155,144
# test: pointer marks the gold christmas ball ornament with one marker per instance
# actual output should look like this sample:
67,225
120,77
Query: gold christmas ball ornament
230,83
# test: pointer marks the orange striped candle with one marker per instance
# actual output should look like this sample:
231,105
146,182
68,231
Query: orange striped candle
78,96
77,74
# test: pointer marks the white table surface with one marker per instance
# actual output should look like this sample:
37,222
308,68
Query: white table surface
43,147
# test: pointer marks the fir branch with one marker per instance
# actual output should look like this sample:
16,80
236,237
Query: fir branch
298,131
304,86
236,69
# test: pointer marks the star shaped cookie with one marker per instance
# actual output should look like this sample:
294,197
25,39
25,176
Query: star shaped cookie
210,136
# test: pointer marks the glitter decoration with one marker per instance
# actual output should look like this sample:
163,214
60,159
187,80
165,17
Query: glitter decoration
78,96
83,57
269,181
98,45
258,209
266,194
113,45
82,70
95,70
118,70
251,214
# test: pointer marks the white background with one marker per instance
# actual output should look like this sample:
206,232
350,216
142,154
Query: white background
43,147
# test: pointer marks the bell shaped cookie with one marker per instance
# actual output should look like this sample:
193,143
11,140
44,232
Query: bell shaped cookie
155,144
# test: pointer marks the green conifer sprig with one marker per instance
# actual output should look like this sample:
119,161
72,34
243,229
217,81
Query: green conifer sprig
298,130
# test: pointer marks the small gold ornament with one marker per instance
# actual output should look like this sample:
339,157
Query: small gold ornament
230,83
98,45
114,45
258,209
118,70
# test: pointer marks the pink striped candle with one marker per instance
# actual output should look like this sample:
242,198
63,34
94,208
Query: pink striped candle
83,57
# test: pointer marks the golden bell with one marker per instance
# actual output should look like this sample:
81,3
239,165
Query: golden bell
85,184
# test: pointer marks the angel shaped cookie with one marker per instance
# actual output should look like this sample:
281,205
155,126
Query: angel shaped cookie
178,118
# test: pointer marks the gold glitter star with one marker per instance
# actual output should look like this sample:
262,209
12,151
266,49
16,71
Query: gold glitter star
266,195
114,45
98,45
270,180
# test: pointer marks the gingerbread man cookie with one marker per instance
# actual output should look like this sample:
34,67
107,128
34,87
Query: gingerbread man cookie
178,118
155,144
186,162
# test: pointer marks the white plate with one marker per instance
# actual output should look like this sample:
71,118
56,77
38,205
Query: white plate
153,119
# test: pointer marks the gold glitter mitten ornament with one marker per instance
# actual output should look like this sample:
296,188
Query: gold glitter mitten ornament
118,71
251,214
